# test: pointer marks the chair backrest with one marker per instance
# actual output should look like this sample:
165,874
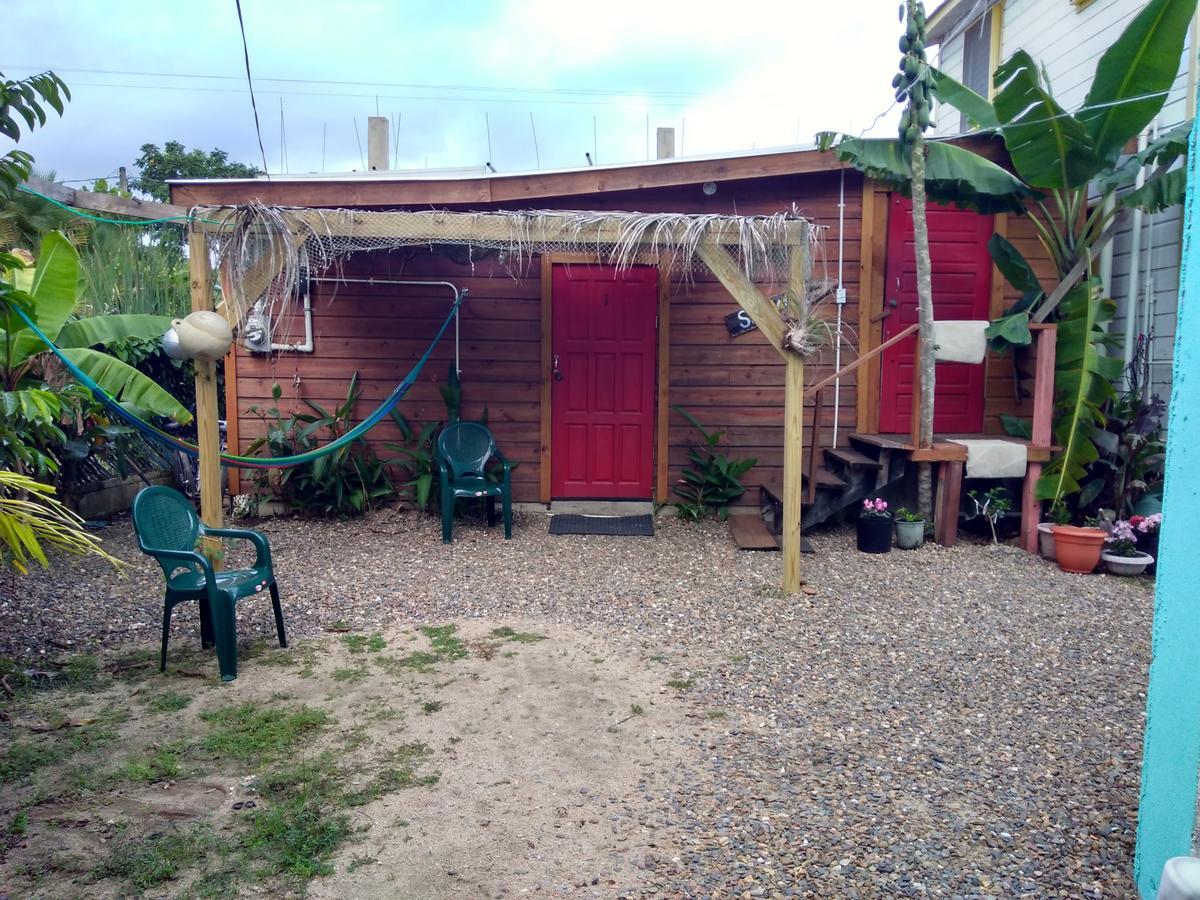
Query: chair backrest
466,447
164,519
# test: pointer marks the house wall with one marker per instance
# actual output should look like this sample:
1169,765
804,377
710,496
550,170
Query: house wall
729,384
1069,42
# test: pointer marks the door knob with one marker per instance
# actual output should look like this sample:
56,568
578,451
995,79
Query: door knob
557,372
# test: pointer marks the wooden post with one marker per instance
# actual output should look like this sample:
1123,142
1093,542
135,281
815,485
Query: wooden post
793,465
1043,413
207,432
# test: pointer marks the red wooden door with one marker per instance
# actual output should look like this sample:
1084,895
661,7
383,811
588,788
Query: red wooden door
962,284
602,396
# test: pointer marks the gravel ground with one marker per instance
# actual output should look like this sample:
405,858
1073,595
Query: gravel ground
958,722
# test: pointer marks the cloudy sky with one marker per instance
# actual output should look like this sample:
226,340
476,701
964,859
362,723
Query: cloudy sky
595,77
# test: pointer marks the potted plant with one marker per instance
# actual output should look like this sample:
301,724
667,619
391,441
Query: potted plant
1077,548
1058,514
1121,555
874,526
1147,528
993,505
910,529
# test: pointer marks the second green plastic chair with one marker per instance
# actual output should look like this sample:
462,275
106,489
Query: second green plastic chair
463,452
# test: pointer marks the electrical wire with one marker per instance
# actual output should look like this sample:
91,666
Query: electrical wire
250,85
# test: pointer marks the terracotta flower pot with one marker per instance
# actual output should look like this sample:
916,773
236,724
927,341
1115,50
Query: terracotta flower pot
1078,549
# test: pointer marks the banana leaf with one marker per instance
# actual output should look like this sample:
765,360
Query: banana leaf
1141,63
1159,193
129,386
54,286
111,329
978,110
1083,379
953,175
1049,147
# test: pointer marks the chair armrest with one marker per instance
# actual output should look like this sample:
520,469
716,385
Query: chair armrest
261,546
184,556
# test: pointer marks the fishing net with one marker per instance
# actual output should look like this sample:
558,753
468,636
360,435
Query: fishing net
265,252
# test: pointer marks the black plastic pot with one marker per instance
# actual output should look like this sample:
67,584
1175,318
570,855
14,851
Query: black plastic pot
875,534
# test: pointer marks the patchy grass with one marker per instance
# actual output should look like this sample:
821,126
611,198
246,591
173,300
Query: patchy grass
352,675
162,765
361,643
168,701
26,757
302,654
258,736
417,661
681,684
429,707
505,633
715,714
144,861
636,709
444,642
399,771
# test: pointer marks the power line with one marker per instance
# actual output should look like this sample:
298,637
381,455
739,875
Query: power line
250,85
712,100
394,84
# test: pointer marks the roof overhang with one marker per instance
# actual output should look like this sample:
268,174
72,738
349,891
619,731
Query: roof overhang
953,17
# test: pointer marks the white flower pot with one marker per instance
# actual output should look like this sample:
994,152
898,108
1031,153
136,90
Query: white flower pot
1126,565
910,535
1046,540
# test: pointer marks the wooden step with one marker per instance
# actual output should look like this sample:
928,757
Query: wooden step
882,441
849,457
825,479
751,533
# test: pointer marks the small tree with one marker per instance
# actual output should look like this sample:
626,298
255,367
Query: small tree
156,166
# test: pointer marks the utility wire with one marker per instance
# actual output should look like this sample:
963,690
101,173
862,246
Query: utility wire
395,84
250,85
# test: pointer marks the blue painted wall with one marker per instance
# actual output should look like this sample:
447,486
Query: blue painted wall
1171,755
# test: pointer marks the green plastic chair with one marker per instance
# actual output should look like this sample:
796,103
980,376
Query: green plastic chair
167,528
463,452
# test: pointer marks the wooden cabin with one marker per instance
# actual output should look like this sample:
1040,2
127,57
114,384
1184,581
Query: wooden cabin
578,365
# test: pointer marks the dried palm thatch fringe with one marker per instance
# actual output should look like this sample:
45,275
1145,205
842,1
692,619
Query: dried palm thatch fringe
257,238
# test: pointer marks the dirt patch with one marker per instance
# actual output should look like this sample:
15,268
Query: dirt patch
437,761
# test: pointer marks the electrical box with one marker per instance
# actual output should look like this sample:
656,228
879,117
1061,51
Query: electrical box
256,333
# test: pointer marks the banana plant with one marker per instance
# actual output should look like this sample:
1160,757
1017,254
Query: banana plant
1061,161
49,293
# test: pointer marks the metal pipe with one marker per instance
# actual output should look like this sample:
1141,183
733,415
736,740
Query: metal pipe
840,302
1135,252
1149,300
409,281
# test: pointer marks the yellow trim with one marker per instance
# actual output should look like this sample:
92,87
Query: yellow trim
994,50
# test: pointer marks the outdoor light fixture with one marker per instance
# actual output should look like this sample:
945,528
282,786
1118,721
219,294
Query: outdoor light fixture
709,188
202,335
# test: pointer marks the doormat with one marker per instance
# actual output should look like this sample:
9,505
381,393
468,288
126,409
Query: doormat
620,526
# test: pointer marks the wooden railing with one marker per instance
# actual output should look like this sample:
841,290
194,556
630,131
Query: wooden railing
817,392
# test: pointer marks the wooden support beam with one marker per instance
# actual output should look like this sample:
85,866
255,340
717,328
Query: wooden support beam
949,496
793,449
207,432
762,311
459,227
107,203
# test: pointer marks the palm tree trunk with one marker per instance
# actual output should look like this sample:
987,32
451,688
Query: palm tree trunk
925,343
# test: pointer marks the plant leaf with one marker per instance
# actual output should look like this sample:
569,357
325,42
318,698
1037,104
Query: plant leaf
977,109
1141,63
1159,193
111,329
1049,147
1022,428
128,385
54,287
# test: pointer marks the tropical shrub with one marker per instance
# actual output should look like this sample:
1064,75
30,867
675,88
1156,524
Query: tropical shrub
33,521
348,481
712,481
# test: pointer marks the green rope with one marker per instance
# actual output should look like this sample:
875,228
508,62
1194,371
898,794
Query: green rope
140,223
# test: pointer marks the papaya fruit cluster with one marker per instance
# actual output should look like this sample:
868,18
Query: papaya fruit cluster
914,82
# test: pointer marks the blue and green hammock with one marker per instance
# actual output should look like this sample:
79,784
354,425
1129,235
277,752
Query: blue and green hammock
249,462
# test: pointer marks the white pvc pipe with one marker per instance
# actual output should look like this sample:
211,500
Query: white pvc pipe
1149,300
307,346
1135,253
840,298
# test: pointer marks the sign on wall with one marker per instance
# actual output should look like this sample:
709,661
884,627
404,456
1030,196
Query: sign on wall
739,322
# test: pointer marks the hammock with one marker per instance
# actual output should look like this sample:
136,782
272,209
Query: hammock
250,462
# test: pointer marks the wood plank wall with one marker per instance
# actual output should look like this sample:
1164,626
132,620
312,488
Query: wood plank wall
730,384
